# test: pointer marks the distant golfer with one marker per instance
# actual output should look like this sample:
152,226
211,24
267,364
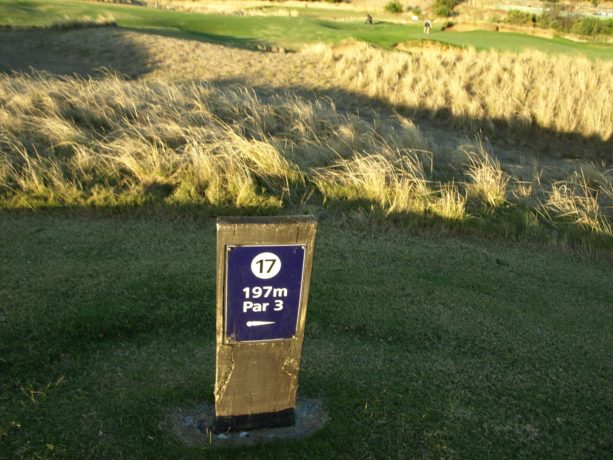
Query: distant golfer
369,19
427,26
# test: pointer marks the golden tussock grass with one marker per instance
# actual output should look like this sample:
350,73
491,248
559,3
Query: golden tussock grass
394,182
578,201
488,182
206,145
76,142
520,91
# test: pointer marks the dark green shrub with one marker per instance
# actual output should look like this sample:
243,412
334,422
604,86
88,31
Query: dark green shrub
592,26
556,17
442,11
549,21
393,6
518,17
444,8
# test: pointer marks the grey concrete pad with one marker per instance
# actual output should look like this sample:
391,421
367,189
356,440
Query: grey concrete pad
191,426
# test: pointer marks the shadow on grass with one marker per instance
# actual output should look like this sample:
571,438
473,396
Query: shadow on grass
512,222
216,39
77,50
72,52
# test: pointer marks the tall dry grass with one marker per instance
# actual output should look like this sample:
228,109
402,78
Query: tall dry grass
108,142
520,91
578,201
391,180
187,140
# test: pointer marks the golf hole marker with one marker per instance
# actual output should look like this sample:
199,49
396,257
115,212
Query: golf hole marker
266,265
263,276
263,287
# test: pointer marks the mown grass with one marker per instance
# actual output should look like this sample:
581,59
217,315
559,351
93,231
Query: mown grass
290,32
418,347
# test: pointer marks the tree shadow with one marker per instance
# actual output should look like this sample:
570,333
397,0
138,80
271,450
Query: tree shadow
85,52
216,39
91,51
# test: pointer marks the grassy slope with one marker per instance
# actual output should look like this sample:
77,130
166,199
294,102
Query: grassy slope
283,31
419,347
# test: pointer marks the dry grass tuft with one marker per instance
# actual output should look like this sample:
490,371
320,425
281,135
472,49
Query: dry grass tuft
217,175
577,201
395,183
487,180
71,24
450,203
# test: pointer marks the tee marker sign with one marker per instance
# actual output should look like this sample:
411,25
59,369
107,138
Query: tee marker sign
263,286
263,277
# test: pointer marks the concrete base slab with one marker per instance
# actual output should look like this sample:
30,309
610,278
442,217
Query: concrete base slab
194,426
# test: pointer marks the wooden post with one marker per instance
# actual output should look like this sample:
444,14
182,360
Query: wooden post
263,277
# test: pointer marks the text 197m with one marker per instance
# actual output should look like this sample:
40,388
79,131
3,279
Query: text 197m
264,292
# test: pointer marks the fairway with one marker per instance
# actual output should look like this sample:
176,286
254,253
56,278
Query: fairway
417,346
283,31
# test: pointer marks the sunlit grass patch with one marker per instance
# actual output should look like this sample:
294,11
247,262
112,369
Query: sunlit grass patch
449,203
577,201
487,182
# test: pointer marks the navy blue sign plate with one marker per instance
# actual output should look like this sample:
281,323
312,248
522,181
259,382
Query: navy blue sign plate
263,288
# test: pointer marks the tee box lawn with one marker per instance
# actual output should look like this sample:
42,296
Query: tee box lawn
417,346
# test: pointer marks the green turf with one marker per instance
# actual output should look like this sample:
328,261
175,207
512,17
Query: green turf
419,347
284,31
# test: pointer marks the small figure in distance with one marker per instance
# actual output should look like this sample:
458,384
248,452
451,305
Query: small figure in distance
369,19
427,26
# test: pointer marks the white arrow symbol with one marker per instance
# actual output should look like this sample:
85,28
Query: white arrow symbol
259,323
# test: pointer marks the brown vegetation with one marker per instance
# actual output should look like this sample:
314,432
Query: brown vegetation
186,132
111,142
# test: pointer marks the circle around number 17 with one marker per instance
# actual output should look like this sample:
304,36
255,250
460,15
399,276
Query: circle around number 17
266,265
